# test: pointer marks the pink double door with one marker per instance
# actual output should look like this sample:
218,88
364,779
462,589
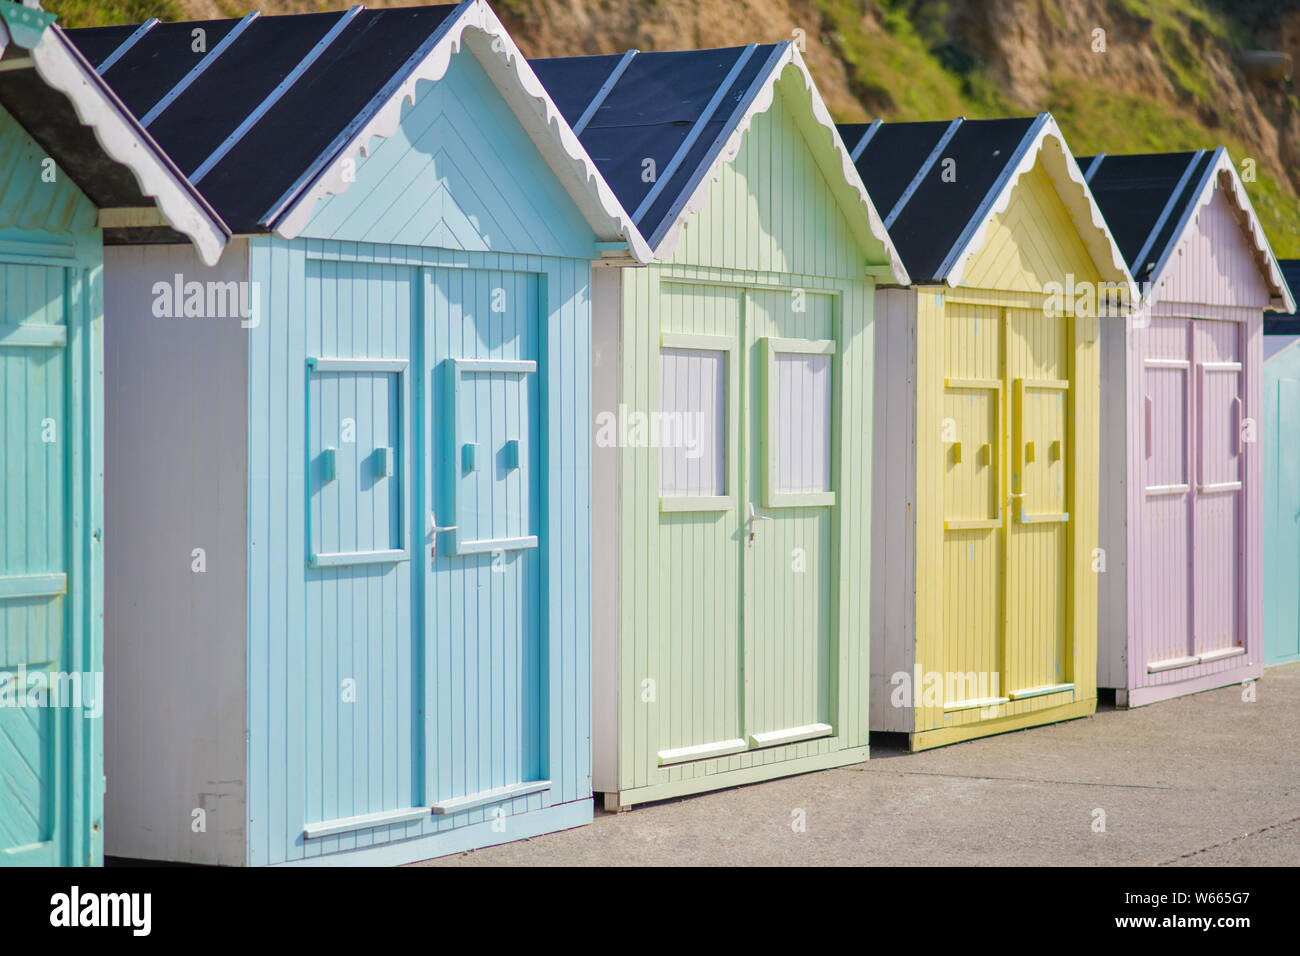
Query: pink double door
1187,609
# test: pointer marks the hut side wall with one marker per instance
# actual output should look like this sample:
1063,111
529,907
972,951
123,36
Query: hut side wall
606,542
893,511
176,492
1113,583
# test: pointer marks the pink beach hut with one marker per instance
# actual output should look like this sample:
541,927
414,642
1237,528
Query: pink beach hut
1181,586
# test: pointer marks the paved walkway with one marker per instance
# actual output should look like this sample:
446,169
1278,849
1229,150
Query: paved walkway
1206,780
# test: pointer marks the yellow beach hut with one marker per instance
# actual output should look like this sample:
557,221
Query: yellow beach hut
985,484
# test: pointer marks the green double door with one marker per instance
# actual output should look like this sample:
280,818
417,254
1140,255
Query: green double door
745,639
50,769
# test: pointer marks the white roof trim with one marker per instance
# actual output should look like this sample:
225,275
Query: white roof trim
1073,190
62,68
788,58
475,26
1281,300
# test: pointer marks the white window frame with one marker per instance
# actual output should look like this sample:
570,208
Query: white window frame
730,347
771,348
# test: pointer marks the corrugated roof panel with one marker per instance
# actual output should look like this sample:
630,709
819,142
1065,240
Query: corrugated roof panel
651,111
661,214
936,214
159,60
572,81
329,95
96,44
219,100
1133,191
1286,323
1187,188
892,158
950,196
852,133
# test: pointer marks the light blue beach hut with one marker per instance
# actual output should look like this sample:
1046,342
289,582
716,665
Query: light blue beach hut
348,595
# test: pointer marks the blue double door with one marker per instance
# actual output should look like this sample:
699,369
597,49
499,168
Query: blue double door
483,596
426,474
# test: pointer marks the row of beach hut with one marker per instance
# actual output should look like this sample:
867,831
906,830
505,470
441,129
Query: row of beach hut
420,440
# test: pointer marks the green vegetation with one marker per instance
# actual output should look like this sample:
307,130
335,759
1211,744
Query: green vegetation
904,64
909,69
103,13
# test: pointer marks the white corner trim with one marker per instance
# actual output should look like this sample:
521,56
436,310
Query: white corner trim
126,142
475,26
761,103
1073,191
1222,167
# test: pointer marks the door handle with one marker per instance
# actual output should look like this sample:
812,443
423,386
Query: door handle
1146,426
434,530
1236,424
753,516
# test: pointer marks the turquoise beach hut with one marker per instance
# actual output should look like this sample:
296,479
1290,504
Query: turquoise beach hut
1280,435
76,172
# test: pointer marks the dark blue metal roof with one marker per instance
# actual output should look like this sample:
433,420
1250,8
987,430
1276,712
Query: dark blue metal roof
654,122
1144,199
932,206
1286,323
265,104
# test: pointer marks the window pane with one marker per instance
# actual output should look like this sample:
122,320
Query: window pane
690,432
800,423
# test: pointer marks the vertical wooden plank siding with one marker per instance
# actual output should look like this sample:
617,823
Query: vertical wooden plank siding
893,510
1115,538
1194,578
51,509
411,681
1216,265
607,525
719,641
1007,474
314,756
176,481
1281,480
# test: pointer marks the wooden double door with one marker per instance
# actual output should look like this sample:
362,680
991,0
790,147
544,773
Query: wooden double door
743,645
1187,438
1008,466
51,778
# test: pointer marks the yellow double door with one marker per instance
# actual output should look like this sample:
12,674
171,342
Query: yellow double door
1007,462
